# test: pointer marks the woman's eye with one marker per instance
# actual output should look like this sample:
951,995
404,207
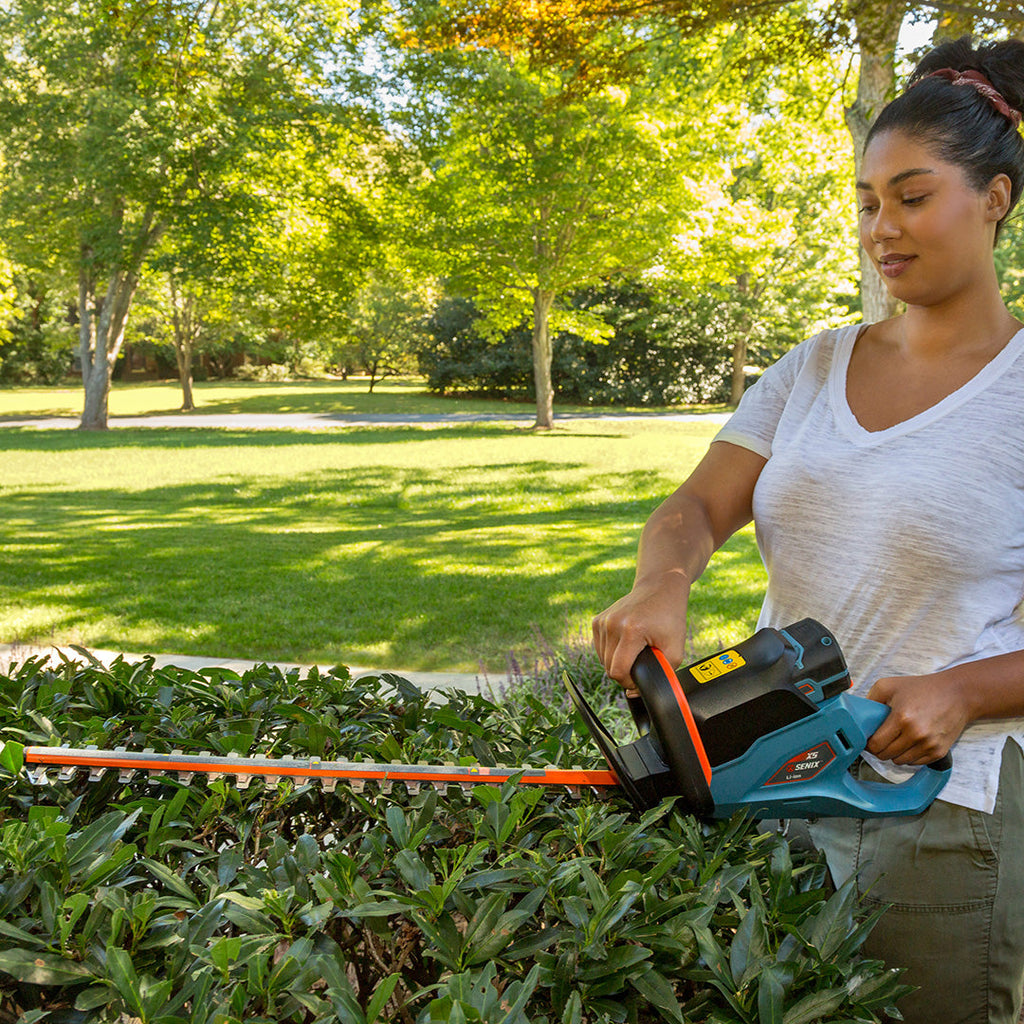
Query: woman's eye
912,200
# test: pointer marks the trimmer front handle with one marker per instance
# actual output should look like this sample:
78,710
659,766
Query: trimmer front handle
668,759
662,712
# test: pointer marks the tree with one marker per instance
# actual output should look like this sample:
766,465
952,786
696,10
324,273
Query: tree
188,316
534,191
385,322
35,330
776,239
124,121
323,240
573,36
878,28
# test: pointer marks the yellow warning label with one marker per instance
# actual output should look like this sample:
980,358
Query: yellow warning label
717,666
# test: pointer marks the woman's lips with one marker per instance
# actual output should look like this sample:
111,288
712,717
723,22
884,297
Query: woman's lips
894,264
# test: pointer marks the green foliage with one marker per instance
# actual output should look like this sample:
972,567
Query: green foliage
454,354
384,323
168,901
127,124
659,351
37,345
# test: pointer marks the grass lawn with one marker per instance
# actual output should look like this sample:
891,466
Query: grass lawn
442,548
403,397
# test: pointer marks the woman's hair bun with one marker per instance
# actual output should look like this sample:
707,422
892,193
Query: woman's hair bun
1002,63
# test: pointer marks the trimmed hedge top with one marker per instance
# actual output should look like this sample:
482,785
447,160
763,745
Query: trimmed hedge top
162,902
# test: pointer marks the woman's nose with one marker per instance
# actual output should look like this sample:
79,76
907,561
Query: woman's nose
885,224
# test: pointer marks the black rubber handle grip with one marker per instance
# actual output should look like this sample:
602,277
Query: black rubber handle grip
664,712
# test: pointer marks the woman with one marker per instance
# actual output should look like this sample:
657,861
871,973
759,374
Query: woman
883,467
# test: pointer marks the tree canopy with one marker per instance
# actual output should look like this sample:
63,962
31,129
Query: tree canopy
266,165
126,122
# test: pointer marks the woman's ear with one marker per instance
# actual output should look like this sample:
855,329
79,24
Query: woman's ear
998,197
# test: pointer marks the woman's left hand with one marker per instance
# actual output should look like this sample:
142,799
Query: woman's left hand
927,715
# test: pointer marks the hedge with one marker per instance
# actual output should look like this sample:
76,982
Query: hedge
163,901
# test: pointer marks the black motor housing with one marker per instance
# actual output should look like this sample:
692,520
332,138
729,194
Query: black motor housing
771,679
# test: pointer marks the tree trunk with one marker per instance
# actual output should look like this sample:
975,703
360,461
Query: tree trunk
738,380
185,331
542,302
183,352
100,337
878,28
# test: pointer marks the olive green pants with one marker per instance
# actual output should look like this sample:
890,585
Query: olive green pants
953,879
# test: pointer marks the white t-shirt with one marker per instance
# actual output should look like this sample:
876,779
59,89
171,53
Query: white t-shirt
908,543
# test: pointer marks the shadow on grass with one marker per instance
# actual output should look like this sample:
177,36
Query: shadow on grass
381,566
30,439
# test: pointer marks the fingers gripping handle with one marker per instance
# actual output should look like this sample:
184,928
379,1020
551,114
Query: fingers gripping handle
663,712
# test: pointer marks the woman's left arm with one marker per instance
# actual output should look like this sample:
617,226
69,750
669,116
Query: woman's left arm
929,712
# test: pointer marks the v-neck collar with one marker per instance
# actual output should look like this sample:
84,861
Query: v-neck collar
849,423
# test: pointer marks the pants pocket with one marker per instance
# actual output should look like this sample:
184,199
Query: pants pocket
944,859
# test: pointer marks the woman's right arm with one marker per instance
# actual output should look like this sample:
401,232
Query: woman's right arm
676,545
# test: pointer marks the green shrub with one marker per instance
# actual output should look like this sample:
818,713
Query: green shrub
265,373
660,351
166,901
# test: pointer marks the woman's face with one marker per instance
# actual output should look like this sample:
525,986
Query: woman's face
929,232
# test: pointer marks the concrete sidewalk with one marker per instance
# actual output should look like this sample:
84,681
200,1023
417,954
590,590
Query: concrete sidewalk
333,421
424,680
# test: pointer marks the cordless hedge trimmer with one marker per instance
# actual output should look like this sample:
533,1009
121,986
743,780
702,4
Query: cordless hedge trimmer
768,726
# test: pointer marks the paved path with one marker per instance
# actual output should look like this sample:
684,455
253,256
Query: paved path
425,680
331,421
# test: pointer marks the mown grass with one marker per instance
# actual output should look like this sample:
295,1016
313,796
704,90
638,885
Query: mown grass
442,548
350,397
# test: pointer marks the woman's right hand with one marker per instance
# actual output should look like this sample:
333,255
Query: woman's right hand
652,614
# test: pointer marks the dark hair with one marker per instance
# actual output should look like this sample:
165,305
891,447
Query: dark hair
957,122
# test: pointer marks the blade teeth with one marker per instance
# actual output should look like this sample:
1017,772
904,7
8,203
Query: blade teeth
124,775
39,775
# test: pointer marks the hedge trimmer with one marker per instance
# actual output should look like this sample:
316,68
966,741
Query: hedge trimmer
768,727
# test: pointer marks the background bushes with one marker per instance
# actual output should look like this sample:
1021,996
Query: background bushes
661,351
36,346
167,900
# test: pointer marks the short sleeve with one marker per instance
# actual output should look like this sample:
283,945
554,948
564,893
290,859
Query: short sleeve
756,418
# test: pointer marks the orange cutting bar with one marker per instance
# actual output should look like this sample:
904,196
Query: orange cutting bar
311,768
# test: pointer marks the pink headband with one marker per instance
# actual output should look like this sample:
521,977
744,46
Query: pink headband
976,80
